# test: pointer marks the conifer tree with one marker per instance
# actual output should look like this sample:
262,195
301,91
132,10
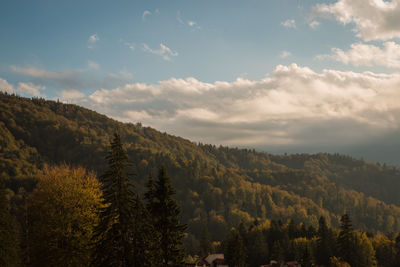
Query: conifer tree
146,239
325,243
345,239
9,236
165,214
114,234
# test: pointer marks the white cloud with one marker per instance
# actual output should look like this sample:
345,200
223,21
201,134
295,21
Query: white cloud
165,52
292,106
74,78
314,24
361,54
131,46
93,65
285,54
373,19
290,23
92,40
6,87
71,95
30,89
37,73
192,24
145,13
148,13
22,88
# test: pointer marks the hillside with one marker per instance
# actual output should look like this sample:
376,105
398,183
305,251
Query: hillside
217,186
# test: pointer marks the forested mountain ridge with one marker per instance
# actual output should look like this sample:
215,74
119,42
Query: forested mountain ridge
217,186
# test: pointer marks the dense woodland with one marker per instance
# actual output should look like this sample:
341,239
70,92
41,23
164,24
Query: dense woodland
279,206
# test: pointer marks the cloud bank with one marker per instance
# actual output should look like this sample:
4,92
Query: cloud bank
367,55
293,107
82,79
373,19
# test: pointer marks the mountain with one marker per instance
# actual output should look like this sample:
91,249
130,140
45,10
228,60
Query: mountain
217,187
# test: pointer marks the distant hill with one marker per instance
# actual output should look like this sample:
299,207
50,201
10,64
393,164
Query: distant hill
217,187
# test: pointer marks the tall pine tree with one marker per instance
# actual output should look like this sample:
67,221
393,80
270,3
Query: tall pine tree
114,244
165,214
146,239
325,243
346,238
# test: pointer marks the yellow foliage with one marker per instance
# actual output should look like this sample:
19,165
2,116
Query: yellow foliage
63,211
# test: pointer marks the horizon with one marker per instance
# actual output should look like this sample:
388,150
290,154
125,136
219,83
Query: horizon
293,76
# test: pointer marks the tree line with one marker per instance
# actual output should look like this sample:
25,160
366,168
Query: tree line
260,243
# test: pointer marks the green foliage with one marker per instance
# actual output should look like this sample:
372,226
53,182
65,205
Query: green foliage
346,239
115,241
165,214
326,243
146,251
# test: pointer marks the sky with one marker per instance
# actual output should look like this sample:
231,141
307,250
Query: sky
281,76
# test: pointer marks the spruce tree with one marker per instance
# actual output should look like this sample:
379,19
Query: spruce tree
114,234
325,243
165,214
146,239
346,238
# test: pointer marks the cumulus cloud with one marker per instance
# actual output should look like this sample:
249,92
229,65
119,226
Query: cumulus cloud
373,19
165,52
30,89
285,54
27,89
292,106
290,23
92,40
6,87
367,55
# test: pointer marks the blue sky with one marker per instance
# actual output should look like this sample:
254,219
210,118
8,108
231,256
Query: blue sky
278,75
229,38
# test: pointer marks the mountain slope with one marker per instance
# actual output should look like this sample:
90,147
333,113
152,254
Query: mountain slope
217,186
